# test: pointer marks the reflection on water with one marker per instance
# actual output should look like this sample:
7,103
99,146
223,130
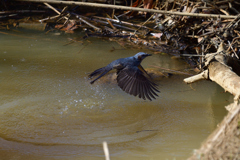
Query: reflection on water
48,109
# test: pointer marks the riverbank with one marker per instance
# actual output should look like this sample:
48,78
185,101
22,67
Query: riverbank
224,142
205,34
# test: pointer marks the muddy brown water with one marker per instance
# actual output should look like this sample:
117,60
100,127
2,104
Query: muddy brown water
48,109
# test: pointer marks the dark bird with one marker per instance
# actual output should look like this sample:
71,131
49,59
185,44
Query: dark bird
131,77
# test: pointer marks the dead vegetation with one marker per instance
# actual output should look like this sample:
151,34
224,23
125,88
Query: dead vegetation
205,33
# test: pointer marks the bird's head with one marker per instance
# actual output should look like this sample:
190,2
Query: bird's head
141,55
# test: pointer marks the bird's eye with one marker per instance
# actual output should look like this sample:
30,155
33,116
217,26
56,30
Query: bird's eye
140,58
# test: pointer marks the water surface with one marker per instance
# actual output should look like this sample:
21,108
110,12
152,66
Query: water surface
48,109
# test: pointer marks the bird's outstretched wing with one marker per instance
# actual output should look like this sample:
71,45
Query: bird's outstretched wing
133,81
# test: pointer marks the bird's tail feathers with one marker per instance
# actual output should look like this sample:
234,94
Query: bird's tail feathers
101,71
96,72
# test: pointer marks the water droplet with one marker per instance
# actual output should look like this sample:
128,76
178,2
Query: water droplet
23,59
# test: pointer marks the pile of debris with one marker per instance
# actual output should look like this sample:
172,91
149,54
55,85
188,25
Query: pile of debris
205,33
185,28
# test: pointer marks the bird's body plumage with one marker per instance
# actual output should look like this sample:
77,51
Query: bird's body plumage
131,76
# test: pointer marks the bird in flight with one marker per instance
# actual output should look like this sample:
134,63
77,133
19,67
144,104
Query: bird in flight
131,76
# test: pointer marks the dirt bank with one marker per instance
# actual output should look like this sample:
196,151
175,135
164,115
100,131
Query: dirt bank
224,142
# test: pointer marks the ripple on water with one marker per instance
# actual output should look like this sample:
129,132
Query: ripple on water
42,121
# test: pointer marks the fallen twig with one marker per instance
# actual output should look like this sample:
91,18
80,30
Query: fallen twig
106,151
131,8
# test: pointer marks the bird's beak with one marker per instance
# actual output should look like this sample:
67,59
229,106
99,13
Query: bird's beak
149,54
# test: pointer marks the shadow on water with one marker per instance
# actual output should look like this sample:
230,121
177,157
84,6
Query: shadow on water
48,109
